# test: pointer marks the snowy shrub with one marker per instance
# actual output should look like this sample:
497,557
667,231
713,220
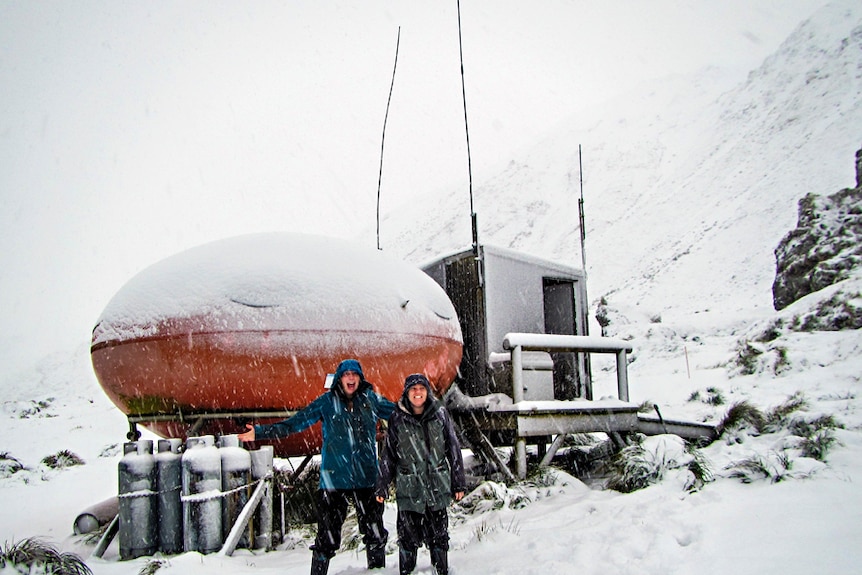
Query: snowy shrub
713,396
818,444
817,435
646,407
771,332
633,468
62,459
490,496
775,467
747,355
603,314
28,409
542,477
482,531
584,454
781,364
803,428
152,566
9,465
753,357
839,312
33,555
110,450
351,538
776,418
650,460
700,469
299,494
581,440
742,416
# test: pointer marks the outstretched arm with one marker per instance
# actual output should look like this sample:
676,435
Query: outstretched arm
248,435
305,417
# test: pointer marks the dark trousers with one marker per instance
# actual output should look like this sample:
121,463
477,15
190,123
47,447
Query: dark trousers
430,527
332,511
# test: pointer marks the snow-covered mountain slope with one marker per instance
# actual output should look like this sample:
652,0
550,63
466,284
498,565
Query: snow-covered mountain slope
686,201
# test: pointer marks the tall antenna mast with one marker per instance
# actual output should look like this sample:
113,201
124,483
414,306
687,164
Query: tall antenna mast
467,131
581,213
583,241
383,138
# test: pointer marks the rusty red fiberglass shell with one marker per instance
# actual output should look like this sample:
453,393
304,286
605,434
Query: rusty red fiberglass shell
256,323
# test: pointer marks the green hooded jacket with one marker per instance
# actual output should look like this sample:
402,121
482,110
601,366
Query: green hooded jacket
423,456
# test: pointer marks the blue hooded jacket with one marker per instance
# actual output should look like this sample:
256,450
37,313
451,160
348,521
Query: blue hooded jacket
349,454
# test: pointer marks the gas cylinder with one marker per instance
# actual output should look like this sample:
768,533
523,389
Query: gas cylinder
137,504
201,470
169,484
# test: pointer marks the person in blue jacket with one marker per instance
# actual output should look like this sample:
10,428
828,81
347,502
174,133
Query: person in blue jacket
348,412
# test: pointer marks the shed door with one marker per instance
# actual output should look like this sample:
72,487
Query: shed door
559,307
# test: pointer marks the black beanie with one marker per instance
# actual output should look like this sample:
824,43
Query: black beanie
416,379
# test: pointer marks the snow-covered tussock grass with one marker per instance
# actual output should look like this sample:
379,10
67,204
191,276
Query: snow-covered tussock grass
28,409
32,555
493,496
811,436
11,466
792,444
652,459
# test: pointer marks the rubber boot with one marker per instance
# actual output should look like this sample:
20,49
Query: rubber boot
440,560
376,556
406,561
319,563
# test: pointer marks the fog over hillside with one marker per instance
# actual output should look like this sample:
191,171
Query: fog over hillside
687,190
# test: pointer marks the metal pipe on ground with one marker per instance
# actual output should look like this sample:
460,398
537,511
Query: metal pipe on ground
96,516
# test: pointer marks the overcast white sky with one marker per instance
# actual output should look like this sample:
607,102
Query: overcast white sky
132,130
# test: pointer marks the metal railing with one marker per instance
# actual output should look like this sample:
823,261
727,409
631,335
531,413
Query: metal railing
516,343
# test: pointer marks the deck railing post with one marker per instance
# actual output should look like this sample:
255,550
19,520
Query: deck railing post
521,453
517,374
622,376
518,396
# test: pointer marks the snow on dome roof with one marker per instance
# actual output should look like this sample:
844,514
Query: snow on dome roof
276,281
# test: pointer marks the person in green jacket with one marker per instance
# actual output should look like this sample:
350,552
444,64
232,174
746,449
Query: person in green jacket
348,413
423,456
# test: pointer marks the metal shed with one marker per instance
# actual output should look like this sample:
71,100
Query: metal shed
496,291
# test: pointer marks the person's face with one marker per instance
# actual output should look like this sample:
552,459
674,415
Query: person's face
417,395
350,383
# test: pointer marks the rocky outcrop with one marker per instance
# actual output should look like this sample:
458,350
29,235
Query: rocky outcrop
825,247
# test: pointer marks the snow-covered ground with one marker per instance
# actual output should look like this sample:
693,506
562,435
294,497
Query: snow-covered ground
97,184
800,519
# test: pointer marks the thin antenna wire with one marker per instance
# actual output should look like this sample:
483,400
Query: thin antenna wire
467,131
383,138
583,244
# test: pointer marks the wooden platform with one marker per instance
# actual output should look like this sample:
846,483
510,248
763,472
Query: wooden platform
523,420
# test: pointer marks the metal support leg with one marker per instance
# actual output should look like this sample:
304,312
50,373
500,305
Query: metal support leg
521,454
555,446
